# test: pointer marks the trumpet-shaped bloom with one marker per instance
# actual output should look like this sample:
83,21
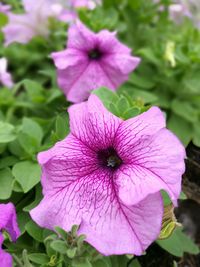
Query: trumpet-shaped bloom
5,76
106,176
90,61
8,222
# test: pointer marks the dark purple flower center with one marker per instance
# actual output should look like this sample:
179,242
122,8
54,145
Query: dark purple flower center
109,158
95,54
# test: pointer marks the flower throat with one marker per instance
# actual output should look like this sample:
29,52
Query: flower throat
95,54
109,158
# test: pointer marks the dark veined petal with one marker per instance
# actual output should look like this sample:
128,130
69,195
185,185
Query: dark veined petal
92,202
93,124
153,157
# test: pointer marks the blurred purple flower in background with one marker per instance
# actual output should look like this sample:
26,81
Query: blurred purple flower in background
193,10
90,61
23,27
5,76
179,9
4,8
177,12
35,21
106,176
8,223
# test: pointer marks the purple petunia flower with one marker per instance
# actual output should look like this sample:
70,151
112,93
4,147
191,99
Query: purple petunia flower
92,60
5,76
106,176
8,222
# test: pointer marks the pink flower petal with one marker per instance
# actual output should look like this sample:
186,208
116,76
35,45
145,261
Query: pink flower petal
142,126
19,29
106,177
5,258
80,37
8,220
91,201
72,156
92,60
93,124
155,158
125,229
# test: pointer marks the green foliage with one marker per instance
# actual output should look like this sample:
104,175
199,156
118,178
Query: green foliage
33,117
6,181
7,132
178,243
27,174
121,105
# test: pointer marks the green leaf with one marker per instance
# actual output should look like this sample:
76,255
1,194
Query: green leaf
185,110
166,198
39,258
130,113
22,218
38,198
178,243
81,263
196,139
191,83
8,161
17,187
62,126
3,19
30,136
135,263
71,252
62,233
180,127
33,129
28,143
141,82
27,173
35,231
101,263
80,240
122,104
7,132
25,259
35,91
16,149
59,246
107,96
138,94
182,195
6,181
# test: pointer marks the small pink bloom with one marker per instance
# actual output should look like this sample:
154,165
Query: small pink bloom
35,21
8,222
5,76
106,176
177,12
4,8
90,61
